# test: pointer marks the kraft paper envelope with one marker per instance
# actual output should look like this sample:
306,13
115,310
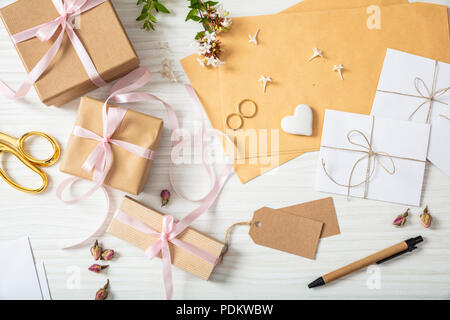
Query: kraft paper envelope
395,171
420,28
316,5
286,43
398,77
206,80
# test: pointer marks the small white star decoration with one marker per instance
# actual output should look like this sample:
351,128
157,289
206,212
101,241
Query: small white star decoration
317,53
339,68
264,80
253,39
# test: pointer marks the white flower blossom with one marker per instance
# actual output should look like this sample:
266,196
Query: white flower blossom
226,23
221,11
219,62
214,62
201,61
209,36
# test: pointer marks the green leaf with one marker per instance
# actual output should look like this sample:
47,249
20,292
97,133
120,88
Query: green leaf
200,35
142,16
152,18
161,8
191,13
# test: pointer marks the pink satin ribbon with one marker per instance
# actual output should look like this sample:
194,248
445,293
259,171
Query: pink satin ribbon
44,32
169,231
100,158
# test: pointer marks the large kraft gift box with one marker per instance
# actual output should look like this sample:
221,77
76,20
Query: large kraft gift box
180,257
101,33
129,172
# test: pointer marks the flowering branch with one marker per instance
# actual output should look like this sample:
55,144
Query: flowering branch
214,19
147,15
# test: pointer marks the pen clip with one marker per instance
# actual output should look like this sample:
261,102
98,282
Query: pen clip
396,255
411,243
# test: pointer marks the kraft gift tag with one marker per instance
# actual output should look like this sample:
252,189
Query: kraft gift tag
321,210
295,229
286,232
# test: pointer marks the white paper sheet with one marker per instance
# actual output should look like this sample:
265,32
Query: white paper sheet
399,139
398,74
18,276
43,282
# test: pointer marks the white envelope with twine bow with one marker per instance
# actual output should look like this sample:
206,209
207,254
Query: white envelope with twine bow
417,89
372,157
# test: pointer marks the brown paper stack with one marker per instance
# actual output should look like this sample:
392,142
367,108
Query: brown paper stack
101,33
180,258
128,172
285,45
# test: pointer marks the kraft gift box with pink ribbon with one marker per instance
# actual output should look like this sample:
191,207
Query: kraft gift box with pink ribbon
66,47
129,170
162,236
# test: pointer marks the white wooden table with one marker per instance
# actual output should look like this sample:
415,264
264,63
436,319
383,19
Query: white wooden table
249,271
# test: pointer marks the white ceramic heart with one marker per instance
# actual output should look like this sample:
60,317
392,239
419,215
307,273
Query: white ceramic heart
300,123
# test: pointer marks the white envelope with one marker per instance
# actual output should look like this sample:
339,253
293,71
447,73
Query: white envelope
399,72
43,282
403,146
19,278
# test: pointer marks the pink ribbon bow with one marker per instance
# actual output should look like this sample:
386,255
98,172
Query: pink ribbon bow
100,159
44,32
169,231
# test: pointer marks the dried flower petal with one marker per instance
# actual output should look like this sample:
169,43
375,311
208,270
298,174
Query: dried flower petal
107,254
102,293
96,250
165,197
425,218
97,268
401,219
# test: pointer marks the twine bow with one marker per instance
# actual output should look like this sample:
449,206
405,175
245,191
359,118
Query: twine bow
369,154
169,231
44,32
430,96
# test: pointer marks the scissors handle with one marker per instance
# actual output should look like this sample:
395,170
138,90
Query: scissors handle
28,164
41,162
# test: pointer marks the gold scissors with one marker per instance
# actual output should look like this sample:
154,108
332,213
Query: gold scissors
15,147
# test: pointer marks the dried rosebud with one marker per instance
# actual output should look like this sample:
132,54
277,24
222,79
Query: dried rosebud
401,219
97,268
165,196
107,254
102,293
425,218
96,250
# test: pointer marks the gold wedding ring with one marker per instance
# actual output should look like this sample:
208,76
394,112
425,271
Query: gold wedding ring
241,115
233,115
255,108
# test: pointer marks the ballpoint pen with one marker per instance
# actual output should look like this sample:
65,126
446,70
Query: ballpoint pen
379,257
